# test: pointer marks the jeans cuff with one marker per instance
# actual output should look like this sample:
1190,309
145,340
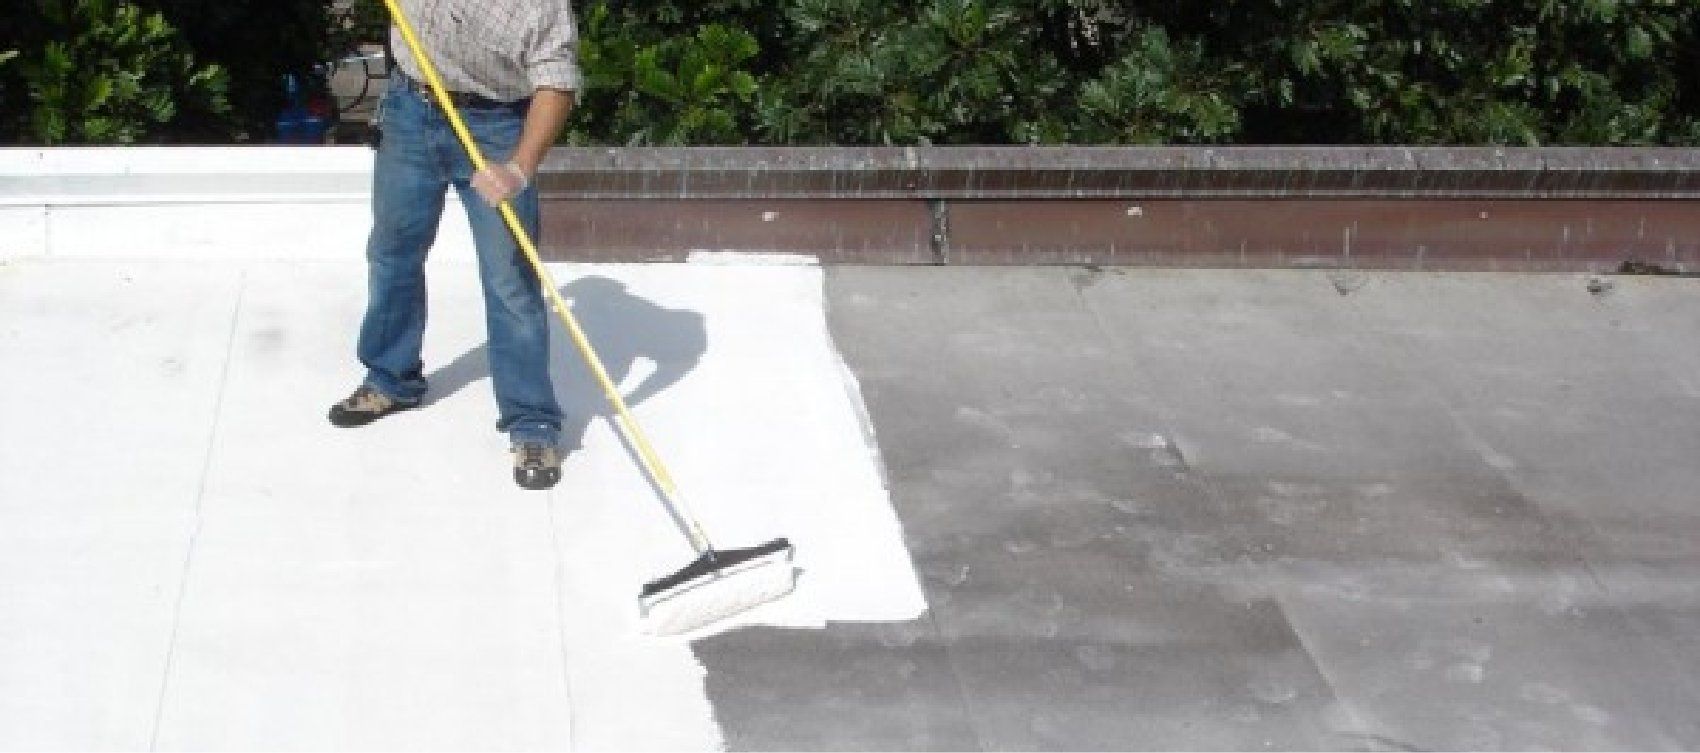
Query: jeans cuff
409,392
544,435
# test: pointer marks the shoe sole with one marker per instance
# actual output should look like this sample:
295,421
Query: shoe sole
537,481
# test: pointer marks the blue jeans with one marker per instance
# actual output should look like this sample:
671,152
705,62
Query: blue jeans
418,159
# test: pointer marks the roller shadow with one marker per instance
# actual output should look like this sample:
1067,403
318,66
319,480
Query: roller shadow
623,328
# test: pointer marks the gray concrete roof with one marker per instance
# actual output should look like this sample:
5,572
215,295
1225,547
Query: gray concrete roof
1101,509
1246,510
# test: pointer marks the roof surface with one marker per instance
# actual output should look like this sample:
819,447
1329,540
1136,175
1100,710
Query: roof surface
1042,508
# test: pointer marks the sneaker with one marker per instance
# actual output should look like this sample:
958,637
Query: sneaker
537,466
365,406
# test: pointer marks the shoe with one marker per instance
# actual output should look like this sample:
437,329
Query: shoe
537,466
365,406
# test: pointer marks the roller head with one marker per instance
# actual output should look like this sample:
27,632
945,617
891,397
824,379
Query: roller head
717,585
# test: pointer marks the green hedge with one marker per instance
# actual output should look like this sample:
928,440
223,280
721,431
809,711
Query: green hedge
121,71
101,71
1104,72
933,71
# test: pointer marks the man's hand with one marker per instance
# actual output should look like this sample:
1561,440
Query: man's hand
543,122
499,182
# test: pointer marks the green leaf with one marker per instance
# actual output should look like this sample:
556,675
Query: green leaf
98,90
743,84
650,79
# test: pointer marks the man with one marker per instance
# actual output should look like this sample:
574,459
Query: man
512,70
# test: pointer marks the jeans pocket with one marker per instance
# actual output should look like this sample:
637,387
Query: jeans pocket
496,130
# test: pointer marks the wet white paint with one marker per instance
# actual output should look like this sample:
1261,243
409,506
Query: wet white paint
237,574
765,437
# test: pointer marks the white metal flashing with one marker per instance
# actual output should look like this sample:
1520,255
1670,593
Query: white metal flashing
246,202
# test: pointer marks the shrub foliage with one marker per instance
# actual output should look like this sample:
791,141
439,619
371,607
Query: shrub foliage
101,71
1520,72
1123,72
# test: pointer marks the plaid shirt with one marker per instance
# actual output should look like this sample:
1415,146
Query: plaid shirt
500,49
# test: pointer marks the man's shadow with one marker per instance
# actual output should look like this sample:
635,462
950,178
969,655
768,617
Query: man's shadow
623,328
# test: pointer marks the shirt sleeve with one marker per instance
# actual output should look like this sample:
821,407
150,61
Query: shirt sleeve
551,58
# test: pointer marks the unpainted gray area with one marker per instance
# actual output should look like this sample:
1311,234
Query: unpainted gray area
1160,509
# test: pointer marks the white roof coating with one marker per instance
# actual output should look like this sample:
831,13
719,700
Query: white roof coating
224,203
192,557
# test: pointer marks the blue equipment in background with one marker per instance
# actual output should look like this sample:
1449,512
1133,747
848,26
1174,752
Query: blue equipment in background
302,121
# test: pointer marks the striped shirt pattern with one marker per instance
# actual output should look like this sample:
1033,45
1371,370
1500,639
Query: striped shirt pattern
499,49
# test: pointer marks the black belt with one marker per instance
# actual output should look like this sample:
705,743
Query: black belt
465,100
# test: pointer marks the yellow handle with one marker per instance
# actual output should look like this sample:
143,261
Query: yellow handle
646,452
